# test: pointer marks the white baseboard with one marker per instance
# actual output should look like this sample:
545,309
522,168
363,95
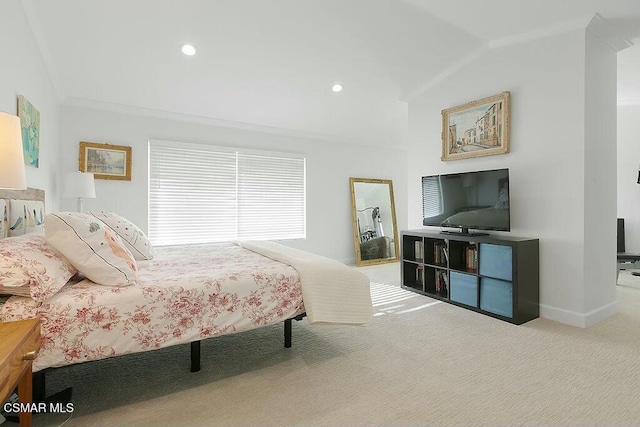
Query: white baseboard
581,320
602,313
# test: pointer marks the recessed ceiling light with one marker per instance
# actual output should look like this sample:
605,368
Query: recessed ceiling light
337,87
188,49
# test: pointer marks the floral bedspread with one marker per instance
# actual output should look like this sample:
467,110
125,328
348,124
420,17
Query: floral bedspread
186,293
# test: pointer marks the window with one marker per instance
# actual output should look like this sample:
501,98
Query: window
201,193
431,196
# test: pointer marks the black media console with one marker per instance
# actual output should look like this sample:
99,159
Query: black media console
494,275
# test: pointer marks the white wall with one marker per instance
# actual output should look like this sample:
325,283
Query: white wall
22,72
628,169
600,162
329,166
546,78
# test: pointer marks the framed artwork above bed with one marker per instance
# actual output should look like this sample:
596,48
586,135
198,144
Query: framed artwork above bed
105,161
477,128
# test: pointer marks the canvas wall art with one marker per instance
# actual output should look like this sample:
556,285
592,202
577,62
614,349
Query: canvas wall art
30,123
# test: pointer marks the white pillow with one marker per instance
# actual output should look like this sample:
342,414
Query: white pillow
92,247
134,239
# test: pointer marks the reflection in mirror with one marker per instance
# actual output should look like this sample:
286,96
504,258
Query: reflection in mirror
375,233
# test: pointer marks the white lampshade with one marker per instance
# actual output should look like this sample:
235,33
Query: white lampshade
12,173
79,185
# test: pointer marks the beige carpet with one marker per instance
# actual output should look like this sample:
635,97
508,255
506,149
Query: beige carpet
419,362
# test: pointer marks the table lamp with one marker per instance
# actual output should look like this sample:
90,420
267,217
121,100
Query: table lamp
12,174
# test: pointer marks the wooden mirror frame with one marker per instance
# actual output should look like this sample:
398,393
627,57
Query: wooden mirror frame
356,229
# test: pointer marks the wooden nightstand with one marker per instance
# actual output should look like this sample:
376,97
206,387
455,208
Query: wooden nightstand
19,343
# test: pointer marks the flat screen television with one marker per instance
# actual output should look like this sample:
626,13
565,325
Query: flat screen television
468,200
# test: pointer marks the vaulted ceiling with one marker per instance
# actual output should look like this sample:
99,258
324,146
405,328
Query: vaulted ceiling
270,64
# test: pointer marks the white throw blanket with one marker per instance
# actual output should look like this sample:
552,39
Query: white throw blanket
332,292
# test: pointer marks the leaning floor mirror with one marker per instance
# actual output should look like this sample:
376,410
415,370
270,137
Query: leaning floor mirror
375,233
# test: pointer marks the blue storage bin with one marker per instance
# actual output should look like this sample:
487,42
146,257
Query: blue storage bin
463,288
496,296
495,261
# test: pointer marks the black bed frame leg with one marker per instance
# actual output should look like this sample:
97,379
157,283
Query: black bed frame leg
287,328
287,333
195,356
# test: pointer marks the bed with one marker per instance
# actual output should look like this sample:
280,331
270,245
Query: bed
183,294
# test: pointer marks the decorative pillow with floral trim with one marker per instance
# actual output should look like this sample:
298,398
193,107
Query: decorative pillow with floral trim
92,247
134,239
29,266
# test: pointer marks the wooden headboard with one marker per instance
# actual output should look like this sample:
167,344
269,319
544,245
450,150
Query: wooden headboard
28,194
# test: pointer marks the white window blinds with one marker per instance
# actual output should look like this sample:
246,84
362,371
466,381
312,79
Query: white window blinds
431,197
271,197
203,193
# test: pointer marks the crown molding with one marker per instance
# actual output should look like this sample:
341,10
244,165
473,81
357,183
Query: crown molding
129,110
182,117
608,33
560,28
43,47
593,23
456,66
579,23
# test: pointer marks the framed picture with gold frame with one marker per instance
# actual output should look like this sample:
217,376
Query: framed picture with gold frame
105,161
477,128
